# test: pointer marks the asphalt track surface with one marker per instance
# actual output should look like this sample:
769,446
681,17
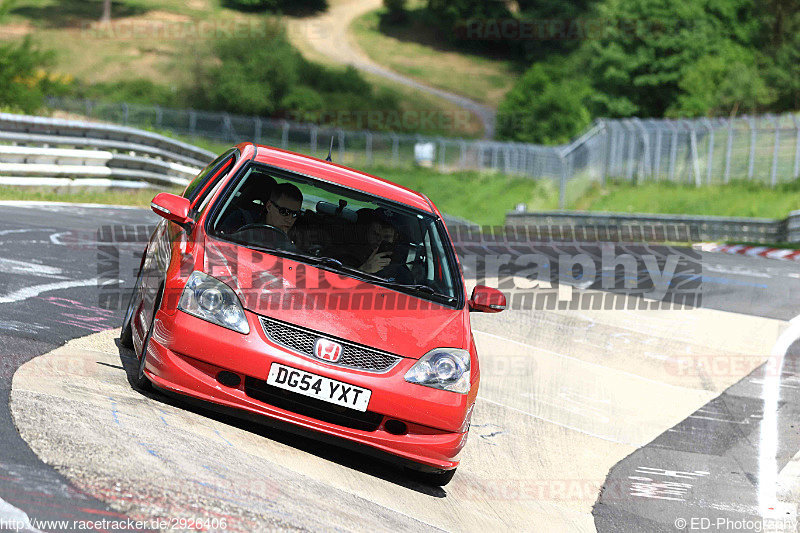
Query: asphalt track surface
594,408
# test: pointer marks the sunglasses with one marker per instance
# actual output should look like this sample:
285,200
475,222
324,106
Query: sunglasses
285,211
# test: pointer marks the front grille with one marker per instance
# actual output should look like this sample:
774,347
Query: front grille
311,407
302,340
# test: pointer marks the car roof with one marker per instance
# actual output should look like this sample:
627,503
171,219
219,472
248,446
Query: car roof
339,175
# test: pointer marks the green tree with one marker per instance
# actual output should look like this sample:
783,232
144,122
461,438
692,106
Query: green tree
726,82
637,67
24,80
546,106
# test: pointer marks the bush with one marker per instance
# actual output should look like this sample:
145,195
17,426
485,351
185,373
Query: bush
397,11
546,106
271,78
295,7
24,80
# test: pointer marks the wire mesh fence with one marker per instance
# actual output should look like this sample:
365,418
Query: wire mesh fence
700,152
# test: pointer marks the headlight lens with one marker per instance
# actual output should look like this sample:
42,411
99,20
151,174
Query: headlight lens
210,299
442,368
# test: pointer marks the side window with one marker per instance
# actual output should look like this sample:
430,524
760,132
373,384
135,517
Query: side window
201,185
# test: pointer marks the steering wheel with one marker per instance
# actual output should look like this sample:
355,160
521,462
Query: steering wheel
268,233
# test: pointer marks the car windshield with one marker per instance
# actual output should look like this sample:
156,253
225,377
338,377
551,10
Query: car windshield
336,228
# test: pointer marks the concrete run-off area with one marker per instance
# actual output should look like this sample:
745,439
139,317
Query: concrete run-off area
564,397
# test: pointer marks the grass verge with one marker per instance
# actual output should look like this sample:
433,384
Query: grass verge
736,199
84,195
485,198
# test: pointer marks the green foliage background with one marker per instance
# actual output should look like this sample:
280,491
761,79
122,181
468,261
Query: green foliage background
652,58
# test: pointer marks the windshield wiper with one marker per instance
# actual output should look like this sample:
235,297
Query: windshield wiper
335,264
420,289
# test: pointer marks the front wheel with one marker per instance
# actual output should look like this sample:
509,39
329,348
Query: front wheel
126,336
139,380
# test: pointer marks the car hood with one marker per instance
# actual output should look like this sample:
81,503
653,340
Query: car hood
334,304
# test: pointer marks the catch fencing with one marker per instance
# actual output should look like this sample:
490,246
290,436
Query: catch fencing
699,152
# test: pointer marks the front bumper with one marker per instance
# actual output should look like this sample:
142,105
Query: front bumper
186,354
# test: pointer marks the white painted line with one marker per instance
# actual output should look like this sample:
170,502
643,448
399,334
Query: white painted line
596,365
768,444
36,290
11,266
22,203
8,231
11,515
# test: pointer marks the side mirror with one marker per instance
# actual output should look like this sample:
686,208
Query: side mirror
487,300
174,208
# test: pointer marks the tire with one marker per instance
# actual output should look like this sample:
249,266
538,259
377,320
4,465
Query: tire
126,336
435,479
139,380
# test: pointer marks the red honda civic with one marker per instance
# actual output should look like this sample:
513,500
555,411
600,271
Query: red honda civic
315,297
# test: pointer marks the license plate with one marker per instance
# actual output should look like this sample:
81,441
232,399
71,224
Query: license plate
319,387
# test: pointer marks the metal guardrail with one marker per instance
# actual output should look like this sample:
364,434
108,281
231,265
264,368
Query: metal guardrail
698,152
694,228
48,151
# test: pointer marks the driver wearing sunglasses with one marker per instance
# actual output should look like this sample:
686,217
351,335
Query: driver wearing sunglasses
283,206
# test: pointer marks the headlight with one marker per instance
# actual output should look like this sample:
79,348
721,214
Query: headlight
442,368
210,299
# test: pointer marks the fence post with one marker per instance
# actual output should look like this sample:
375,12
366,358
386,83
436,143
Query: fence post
728,151
562,187
695,160
673,150
612,150
159,116
228,127
442,148
88,104
796,146
751,164
463,159
645,159
395,150
192,121
710,163
285,135
657,155
606,153
773,179
631,149
341,146
313,140
368,148
124,114
257,130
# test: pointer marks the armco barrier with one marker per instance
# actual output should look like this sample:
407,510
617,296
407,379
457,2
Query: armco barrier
698,228
793,227
47,151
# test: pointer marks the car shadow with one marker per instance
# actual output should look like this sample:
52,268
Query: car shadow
348,458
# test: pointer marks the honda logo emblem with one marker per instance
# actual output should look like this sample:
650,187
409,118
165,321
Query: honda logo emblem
327,350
